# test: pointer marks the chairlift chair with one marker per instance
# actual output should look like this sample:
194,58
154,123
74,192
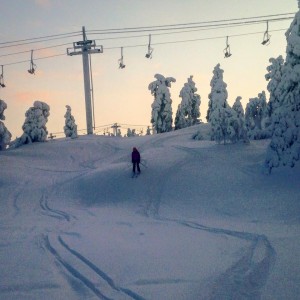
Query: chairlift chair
267,36
227,49
227,52
150,50
121,64
2,78
32,67
1,82
149,53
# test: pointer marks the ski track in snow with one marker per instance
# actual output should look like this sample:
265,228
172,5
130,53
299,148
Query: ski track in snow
79,267
245,278
242,280
54,213
87,273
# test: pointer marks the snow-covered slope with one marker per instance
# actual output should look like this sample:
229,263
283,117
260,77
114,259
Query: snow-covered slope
202,221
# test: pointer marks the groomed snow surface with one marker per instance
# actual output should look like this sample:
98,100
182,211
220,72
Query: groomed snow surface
202,221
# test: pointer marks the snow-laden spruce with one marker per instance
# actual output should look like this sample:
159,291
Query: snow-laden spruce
218,95
5,135
219,113
70,127
188,111
274,77
131,132
285,144
34,127
180,121
257,117
161,117
240,119
148,131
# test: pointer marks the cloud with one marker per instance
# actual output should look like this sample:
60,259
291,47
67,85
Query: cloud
29,97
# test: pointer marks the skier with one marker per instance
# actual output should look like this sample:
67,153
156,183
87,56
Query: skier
135,158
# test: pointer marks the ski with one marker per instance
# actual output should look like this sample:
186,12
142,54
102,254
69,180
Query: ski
135,175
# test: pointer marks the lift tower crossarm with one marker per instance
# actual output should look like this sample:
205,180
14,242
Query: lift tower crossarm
84,48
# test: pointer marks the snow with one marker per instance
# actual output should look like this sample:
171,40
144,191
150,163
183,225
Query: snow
5,135
202,221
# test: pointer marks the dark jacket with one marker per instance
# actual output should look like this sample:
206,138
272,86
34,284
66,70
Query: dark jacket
135,156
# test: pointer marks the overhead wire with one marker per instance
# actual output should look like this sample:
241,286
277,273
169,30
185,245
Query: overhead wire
192,40
36,49
40,41
160,30
62,35
252,20
190,27
153,27
128,37
189,24
38,58
157,43
166,33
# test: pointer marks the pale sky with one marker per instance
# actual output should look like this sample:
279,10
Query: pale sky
122,95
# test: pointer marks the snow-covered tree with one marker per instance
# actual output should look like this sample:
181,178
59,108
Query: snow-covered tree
224,124
240,115
257,118
219,110
70,127
189,107
34,127
180,120
161,117
131,132
285,144
218,95
5,135
274,77
119,133
148,132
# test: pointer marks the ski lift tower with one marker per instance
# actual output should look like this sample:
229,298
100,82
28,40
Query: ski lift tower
115,127
85,48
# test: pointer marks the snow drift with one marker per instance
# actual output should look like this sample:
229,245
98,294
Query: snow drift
202,221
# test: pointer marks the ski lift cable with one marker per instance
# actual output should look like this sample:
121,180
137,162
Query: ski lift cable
157,43
133,125
26,61
78,33
34,42
166,33
106,125
192,40
191,27
114,38
119,38
218,26
36,49
194,23
62,35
